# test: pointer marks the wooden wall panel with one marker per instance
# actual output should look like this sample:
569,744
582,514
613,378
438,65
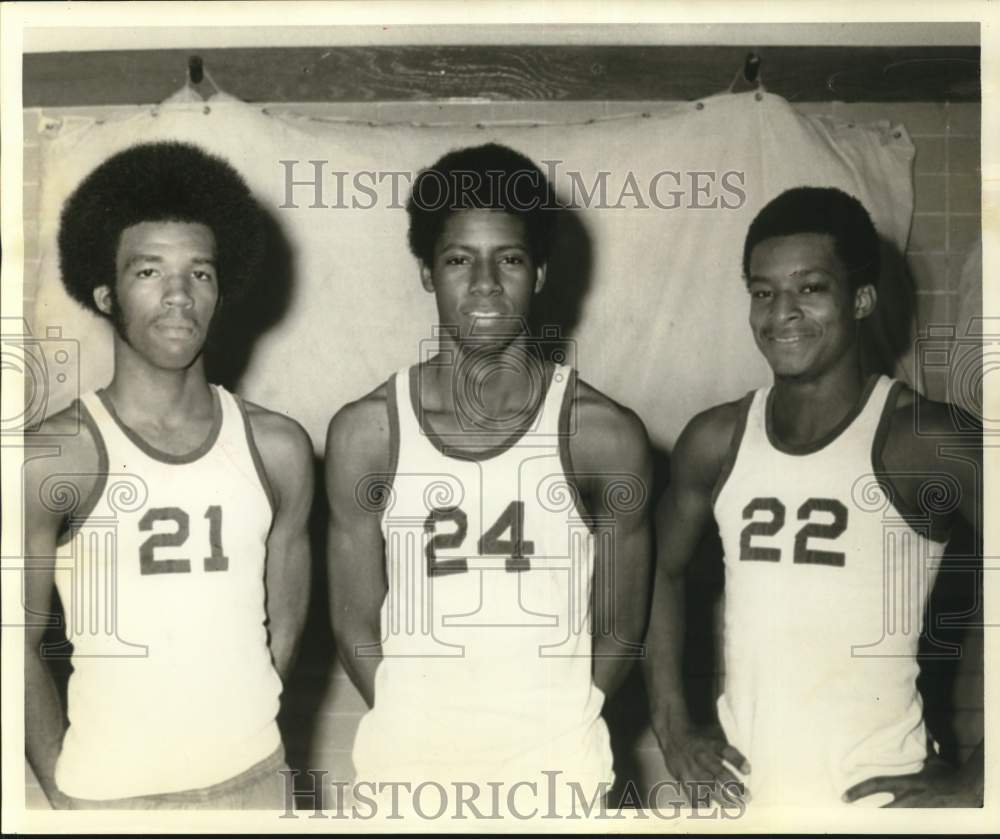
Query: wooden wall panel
535,73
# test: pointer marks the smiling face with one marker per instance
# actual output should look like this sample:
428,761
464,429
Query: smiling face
803,311
483,274
166,291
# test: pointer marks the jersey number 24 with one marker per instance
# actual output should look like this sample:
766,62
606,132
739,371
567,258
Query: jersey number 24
516,548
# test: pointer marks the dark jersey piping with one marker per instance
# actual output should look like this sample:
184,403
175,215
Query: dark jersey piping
392,409
462,454
80,515
565,458
258,461
157,454
827,438
919,523
734,446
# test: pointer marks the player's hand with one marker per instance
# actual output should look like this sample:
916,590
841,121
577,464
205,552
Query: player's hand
938,784
58,800
695,756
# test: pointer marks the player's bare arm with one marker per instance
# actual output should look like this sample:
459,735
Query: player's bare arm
682,514
287,457
356,466
76,464
929,438
611,457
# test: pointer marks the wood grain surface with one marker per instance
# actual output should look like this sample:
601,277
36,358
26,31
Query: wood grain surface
527,73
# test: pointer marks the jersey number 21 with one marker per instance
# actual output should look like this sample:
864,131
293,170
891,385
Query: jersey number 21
149,564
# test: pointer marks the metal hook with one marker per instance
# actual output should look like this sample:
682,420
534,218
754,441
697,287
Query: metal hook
198,75
196,69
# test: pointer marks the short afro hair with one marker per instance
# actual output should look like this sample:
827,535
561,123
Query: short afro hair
810,209
164,181
487,177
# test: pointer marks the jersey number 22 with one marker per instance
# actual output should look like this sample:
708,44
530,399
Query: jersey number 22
804,553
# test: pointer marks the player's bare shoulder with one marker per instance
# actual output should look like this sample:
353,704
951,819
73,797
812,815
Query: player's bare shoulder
64,455
605,435
917,427
701,450
283,437
285,449
358,437
713,429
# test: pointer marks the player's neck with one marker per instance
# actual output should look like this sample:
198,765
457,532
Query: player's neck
496,382
149,395
804,411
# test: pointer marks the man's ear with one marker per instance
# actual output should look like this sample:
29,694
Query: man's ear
426,277
104,299
865,299
540,278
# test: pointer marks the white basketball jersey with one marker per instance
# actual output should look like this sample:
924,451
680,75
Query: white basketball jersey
826,585
161,578
486,632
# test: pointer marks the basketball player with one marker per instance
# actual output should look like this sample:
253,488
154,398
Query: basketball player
832,541
466,497
179,650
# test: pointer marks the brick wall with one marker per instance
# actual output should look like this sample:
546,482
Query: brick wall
323,708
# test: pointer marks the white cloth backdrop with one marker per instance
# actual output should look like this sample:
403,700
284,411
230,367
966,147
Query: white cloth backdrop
663,325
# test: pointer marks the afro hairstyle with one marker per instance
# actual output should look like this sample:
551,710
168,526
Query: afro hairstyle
487,177
163,181
810,209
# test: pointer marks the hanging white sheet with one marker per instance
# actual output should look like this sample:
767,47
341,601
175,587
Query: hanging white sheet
662,324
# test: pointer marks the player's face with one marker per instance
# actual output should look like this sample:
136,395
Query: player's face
803,312
483,275
166,291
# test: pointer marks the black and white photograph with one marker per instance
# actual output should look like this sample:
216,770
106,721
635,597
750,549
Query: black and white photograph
522,418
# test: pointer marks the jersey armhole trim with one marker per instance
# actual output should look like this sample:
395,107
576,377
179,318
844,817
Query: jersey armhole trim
913,517
392,409
258,461
734,447
565,457
82,512
150,450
